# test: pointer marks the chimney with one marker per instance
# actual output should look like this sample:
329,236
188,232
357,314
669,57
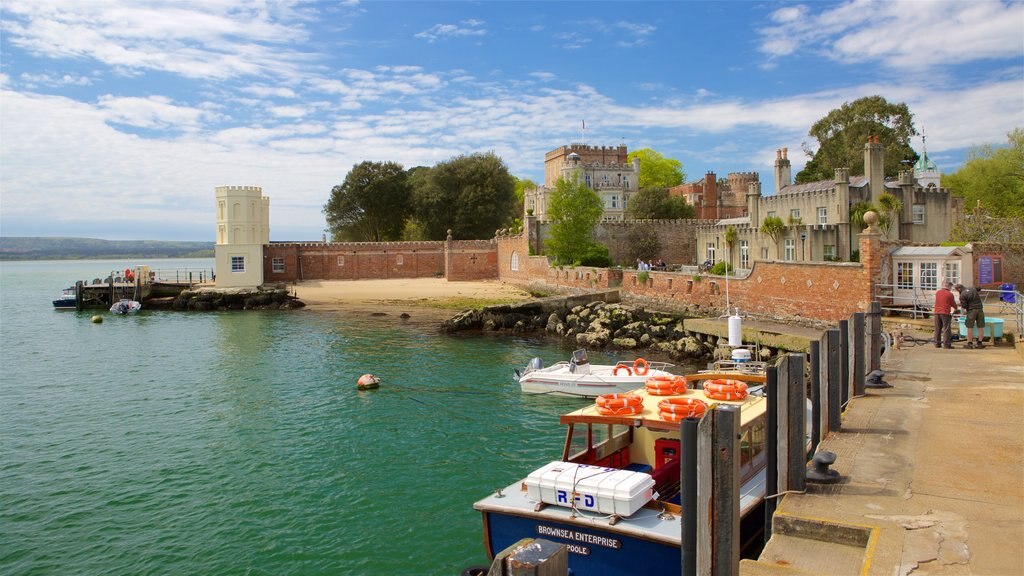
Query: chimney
710,196
874,166
783,176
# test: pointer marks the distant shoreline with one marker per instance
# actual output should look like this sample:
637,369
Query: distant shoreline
20,248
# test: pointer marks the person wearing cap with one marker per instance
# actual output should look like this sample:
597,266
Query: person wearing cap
944,305
974,315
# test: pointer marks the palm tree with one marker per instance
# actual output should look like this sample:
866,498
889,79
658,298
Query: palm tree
730,240
890,207
773,227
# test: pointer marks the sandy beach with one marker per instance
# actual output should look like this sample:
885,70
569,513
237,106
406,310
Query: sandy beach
396,295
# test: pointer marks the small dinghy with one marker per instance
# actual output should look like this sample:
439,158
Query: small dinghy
125,306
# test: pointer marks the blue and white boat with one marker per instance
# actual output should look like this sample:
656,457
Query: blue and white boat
66,301
125,306
614,496
579,378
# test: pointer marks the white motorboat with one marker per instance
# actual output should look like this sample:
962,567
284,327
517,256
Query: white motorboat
578,377
125,306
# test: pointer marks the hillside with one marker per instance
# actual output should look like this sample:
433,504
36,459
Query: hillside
52,248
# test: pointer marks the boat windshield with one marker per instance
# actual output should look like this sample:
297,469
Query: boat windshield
598,444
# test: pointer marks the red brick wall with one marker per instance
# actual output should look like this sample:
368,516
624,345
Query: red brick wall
470,260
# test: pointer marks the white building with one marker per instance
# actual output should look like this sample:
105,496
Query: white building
243,228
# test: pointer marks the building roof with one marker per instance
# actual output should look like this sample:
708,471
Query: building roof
928,251
742,220
822,185
924,164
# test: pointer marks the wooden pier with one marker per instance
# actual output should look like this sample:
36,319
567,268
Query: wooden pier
141,284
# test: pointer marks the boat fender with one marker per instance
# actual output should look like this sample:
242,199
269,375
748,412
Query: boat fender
615,371
97,319
368,382
641,367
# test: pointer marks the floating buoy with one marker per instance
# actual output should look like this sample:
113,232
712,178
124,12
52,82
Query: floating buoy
97,319
368,382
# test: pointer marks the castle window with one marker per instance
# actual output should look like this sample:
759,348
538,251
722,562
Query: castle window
764,253
710,253
771,213
822,215
238,263
399,260
277,265
828,251
615,201
744,254
790,249
514,264
794,214
341,261
917,213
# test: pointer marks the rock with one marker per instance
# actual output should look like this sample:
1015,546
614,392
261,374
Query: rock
645,340
692,347
553,324
627,343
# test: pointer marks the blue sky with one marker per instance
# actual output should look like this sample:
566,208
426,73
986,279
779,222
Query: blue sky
119,117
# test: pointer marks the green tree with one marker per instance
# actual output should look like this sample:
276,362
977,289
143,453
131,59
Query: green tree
993,178
857,212
370,205
889,208
730,241
773,227
574,210
842,133
656,171
656,204
471,195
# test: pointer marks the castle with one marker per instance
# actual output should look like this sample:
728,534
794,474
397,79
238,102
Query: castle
604,169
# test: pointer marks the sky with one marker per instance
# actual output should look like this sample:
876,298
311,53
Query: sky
118,118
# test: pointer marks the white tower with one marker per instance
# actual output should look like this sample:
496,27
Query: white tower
243,227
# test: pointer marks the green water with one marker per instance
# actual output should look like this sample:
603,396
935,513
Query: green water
236,443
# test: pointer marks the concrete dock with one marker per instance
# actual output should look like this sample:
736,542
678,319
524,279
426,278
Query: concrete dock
932,475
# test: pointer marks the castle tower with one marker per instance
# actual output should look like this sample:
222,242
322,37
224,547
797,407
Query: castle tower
783,170
753,199
926,171
243,227
874,166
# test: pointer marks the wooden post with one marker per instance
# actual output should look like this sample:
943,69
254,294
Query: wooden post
539,557
725,503
705,487
782,406
874,336
815,353
688,492
796,422
771,476
835,389
858,344
79,296
844,359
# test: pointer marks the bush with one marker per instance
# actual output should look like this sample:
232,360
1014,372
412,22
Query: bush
642,276
720,267
596,255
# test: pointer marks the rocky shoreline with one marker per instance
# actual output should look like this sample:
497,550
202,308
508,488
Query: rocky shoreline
597,325
209,299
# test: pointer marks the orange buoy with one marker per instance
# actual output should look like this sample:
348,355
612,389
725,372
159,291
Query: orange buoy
666,385
676,409
368,382
616,401
624,411
640,367
725,389
615,371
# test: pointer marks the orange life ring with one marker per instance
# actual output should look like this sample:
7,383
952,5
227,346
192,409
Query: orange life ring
676,409
666,385
725,389
616,401
624,411
615,371
637,364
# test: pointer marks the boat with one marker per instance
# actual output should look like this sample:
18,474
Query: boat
66,301
578,377
614,496
125,306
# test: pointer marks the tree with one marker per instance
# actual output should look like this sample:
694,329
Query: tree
841,135
889,208
857,212
574,210
656,204
730,240
370,205
656,171
993,177
471,195
773,227
979,226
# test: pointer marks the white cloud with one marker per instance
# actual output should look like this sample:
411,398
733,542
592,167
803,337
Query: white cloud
154,112
464,28
902,35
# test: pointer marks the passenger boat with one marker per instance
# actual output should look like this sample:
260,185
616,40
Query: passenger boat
614,496
66,301
125,306
578,377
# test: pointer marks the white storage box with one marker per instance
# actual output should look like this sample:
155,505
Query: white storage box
603,490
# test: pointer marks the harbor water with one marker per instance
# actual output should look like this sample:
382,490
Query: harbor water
237,443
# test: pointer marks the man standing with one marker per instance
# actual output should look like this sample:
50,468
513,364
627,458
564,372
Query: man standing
944,304
974,321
